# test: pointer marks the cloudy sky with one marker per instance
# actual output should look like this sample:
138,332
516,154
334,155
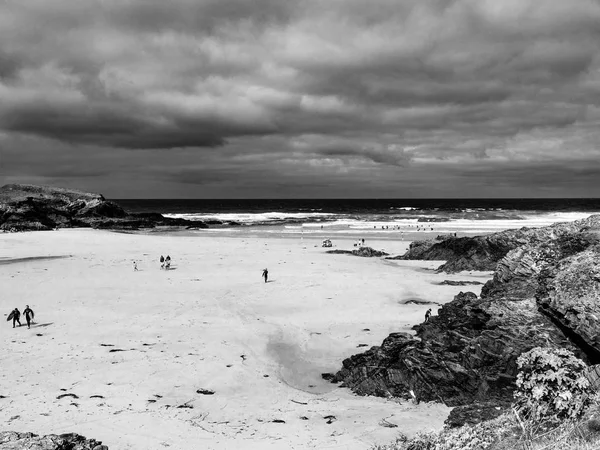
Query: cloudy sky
302,98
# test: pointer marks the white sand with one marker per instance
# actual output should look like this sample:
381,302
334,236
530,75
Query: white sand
210,323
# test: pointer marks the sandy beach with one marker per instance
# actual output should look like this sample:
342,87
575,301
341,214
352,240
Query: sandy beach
205,355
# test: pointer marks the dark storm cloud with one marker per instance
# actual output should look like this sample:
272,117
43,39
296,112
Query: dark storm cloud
198,16
319,88
554,178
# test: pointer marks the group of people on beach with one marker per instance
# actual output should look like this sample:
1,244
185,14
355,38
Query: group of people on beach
15,315
360,243
165,263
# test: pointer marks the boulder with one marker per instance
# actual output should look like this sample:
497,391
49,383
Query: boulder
12,440
475,413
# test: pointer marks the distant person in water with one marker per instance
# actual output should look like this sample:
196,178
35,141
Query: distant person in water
162,262
28,315
16,316
265,274
428,315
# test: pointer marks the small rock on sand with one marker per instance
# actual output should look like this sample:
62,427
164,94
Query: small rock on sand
205,392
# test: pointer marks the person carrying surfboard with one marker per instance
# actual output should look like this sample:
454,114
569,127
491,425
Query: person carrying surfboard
28,315
15,315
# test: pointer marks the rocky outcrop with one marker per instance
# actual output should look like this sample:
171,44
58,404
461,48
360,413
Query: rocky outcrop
365,252
569,293
33,208
465,354
484,252
12,440
543,293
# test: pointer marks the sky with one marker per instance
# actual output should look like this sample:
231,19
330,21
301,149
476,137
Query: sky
302,98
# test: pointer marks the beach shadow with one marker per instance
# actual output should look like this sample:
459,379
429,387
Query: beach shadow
270,281
170,268
4,261
39,325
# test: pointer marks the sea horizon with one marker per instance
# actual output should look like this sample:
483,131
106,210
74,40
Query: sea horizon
372,216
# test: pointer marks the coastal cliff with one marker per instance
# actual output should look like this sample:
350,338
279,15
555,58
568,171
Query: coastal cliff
32,208
545,292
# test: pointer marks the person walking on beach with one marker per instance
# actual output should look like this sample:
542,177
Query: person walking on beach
29,315
265,274
428,315
167,262
135,269
162,262
16,316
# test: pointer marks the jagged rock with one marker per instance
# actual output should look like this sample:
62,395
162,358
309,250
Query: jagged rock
466,354
365,252
12,440
570,294
484,252
34,208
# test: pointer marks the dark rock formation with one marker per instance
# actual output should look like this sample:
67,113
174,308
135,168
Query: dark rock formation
460,283
32,208
569,293
475,413
365,252
484,252
12,440
465,354
545,292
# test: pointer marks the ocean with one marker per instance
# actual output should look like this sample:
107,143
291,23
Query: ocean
383,217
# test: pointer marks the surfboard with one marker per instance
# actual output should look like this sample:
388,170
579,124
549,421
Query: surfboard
10,316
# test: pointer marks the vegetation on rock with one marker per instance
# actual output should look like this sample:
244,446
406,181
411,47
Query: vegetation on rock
551,385
555,409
